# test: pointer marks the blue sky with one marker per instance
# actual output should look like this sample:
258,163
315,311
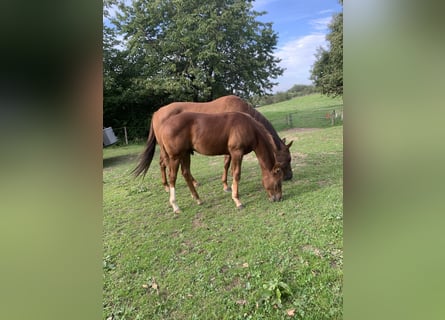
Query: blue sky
302,27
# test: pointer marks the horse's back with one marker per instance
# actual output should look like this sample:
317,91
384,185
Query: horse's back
229,103
205,125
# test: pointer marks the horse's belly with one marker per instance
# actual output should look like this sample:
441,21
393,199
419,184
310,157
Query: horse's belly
211,151
210,146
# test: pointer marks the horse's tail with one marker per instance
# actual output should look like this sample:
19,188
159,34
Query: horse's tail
147,156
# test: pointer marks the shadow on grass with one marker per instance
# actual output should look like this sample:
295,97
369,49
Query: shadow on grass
119,160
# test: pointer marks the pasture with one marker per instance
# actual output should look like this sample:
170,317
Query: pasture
277,260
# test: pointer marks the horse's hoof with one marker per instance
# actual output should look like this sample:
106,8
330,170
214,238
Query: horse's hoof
240,207
178,211
228,189
199,202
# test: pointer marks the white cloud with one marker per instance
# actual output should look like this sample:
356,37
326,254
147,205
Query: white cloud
260,4
298,56
320,24
330,11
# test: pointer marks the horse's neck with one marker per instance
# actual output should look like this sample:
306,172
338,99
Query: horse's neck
266,123
265,152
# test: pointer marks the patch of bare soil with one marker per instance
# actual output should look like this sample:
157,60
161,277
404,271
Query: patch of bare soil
289,134
288,131
197,222
313,250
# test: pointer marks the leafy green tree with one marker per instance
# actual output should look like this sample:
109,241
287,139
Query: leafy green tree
126,101
327,71
297,90
198,50
300,90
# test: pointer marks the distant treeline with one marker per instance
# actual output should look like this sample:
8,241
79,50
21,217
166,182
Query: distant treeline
296,91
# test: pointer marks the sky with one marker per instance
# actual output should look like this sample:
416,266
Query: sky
301,26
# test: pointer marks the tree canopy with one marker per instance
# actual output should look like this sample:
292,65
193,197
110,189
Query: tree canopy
184,50
327,71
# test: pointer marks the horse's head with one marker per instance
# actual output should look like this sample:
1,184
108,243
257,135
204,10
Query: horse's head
284,157
272,182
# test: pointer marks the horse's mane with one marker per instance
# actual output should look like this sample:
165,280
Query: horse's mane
258,116
266,134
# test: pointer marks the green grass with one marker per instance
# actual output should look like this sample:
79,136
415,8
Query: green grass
307,112
215,262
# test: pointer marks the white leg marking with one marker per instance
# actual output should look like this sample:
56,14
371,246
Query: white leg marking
234,198
173,200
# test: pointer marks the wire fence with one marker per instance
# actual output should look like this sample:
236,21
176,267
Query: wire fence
319,118
126,135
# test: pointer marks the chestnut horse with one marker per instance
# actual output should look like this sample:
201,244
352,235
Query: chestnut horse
232,133
225,104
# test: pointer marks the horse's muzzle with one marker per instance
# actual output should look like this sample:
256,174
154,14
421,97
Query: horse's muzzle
275,198
288,176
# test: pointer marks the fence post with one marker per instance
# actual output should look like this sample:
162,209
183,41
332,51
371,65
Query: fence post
333,117
125,133
289,120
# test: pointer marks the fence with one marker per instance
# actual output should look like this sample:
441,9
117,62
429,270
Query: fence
319,118
128,135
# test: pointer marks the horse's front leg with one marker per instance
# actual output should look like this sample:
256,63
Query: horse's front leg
185,168
227,160
236,174
173,172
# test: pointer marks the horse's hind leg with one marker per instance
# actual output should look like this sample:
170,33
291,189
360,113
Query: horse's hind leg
173,172
236,174
195,183
185,168
163,161
227,160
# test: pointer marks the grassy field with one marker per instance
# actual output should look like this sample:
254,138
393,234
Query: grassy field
312,111
269,261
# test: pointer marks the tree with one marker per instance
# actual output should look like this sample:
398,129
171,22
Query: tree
126,101
327,71
198,50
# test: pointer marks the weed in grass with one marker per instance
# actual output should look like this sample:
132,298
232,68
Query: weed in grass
274,291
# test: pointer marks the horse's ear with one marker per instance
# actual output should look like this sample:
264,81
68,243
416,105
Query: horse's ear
284,140
290,143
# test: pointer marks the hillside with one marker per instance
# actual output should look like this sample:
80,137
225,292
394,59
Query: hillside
311,111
